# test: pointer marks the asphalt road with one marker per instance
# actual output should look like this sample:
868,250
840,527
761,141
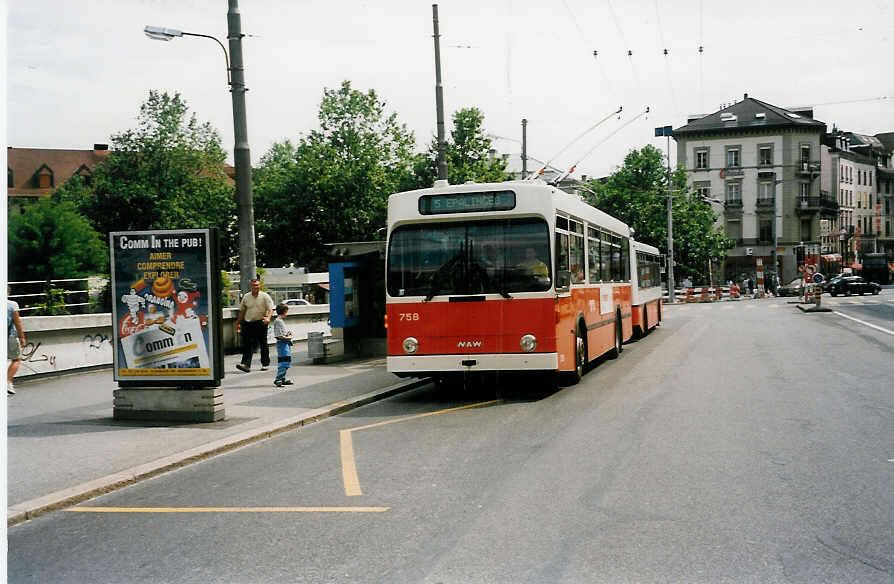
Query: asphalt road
739,442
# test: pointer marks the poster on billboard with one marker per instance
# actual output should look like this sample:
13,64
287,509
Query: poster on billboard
165,307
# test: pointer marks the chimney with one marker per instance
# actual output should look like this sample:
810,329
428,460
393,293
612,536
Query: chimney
746,96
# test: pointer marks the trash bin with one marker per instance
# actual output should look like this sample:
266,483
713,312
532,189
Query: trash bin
315,347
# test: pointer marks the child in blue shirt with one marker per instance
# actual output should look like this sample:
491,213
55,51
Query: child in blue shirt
283,346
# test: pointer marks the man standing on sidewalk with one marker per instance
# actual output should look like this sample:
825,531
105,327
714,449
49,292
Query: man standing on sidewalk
15,342
255,311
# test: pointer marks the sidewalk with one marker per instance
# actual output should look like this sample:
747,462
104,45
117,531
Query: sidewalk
64,446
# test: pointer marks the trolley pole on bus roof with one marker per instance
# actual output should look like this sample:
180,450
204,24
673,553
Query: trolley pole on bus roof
439,99
524,156
669,131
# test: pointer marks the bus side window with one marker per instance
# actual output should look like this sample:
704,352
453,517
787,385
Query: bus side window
606,254
625,259
563,275
593,257
576,252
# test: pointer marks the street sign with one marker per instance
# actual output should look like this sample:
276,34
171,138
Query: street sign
810,269
818,278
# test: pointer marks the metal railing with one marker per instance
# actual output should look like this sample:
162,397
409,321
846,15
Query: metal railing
33,295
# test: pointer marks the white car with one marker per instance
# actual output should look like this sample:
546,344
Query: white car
296,302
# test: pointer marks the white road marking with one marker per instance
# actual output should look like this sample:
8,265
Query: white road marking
863,322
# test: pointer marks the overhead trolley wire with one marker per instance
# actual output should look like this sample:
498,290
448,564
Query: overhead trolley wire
880,98
590,151
584,133
629,50
701,50
670,82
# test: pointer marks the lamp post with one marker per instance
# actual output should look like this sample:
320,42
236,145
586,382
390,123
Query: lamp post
668,131
241,152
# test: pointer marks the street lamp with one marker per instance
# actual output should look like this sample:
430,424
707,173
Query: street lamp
159,33
668,131
241,152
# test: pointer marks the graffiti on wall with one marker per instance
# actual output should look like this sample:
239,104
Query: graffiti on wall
30,355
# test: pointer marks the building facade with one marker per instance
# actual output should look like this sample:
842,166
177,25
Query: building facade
32,173
762,163
857,170
885,176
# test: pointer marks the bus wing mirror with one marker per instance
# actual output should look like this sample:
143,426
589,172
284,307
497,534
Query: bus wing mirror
563,279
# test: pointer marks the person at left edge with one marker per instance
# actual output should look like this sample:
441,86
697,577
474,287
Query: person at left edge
16,340
255,311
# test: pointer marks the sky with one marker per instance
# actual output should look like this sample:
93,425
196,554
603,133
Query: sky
77,72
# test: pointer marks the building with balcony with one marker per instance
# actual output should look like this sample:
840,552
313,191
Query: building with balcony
763,162
884,171
856,169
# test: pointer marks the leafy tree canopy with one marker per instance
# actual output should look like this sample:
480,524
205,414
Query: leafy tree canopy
333,185
166,173
51,241
637,194
468,153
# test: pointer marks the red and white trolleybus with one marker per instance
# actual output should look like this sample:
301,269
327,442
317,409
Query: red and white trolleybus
509,276
646,286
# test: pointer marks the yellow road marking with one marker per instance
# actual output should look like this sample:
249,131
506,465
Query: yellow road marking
349,468
228,509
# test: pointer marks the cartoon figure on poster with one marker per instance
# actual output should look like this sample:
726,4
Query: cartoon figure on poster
170,333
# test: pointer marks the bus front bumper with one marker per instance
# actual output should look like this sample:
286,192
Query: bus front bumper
419,364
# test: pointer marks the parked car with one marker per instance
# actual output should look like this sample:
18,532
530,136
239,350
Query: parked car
296,302
848,285
833,280
793,288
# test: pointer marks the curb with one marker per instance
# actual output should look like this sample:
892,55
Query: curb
27,510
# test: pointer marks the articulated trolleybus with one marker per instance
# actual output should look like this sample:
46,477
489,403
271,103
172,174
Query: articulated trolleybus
511,276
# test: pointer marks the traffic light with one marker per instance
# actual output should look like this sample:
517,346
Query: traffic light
799,253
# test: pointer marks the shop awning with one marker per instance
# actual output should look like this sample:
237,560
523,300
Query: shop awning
324,286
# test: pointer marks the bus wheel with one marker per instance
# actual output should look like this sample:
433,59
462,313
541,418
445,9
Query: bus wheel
580,359
619,335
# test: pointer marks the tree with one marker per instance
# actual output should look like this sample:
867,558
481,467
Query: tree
333,185
167,173
49,240
637,194
468,154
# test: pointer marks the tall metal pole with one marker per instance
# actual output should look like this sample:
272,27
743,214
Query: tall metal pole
439,99
524,147
777,273
670,230
241,153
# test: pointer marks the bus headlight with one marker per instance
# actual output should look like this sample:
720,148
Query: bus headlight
410,345
528,343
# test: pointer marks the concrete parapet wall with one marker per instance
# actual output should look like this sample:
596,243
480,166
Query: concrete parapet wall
58,344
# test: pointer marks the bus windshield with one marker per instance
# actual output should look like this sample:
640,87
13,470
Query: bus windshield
480,257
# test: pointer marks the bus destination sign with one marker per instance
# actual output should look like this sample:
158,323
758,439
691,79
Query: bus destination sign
467,202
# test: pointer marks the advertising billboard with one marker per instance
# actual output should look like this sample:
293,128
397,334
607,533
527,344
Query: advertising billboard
166,308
